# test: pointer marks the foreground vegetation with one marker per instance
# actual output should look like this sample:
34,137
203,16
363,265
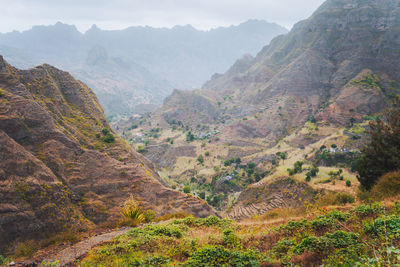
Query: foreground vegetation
363,235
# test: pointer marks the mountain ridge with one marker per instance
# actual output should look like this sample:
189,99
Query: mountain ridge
159,59
62,167
307,94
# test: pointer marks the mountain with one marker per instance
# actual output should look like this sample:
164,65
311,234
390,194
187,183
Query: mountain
325,67
305,98
138,65
61,166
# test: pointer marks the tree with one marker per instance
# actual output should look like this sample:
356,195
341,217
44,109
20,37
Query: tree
382,154
189,137
200,159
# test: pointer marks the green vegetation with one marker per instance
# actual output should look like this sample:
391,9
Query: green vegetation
186,189
369,81
108,137
382,154
365,235
190,137
2,93
141,149
297,168
200,159
229,162
132,212
281,155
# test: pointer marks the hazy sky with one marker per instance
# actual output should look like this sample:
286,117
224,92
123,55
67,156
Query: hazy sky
118,14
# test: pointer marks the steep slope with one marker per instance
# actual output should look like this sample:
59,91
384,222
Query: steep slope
341,63
304,98
61,167
143,64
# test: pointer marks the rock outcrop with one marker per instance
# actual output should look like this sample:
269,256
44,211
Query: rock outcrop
61,166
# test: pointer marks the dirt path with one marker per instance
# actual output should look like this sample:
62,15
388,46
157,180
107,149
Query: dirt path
69,255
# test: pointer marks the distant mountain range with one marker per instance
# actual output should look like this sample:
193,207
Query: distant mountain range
138,65
341,64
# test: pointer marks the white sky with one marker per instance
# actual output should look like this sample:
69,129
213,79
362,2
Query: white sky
119,14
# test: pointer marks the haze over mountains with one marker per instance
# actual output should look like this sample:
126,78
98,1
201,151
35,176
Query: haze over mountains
138,65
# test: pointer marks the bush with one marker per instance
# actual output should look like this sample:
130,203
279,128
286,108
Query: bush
141,149
230,239
109,138
297,168
202,195
348,183
387,186
149,215
186,189
207,153
132,212
190,137
200,159
344,198
219,256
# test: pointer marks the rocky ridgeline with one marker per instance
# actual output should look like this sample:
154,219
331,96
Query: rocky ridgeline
61,166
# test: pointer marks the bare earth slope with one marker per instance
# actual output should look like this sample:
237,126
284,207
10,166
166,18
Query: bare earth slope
59,168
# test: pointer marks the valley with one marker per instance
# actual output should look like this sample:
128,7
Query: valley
289,158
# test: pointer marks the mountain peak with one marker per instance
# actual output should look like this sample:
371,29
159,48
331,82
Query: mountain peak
93,28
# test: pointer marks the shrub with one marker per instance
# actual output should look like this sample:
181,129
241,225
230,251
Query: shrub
202,195
207,153
186,189
387,186
149,215
343,198
132,212
105,131
140,149
109,138
230,239
348,183
297,168
200,159
282,155
155,261
283,247
214,256
190,137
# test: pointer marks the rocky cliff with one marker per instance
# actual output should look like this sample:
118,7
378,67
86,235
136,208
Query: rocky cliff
61,166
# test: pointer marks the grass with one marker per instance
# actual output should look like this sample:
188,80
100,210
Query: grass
353,235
